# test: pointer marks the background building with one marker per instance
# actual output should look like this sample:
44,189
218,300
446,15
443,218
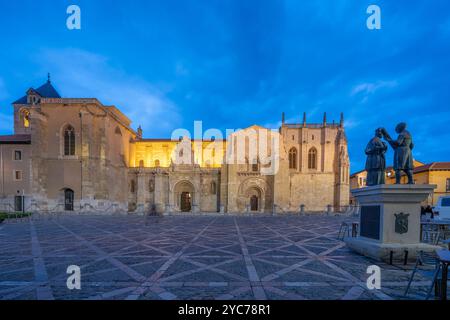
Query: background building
437,173
78,154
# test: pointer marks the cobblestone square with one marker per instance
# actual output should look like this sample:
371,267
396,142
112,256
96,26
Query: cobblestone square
190,257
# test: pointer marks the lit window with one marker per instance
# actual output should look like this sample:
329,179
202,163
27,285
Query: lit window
25,116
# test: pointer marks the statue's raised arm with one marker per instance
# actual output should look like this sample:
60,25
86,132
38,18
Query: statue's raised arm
403,145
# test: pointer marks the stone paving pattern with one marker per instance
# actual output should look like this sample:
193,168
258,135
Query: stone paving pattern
190,257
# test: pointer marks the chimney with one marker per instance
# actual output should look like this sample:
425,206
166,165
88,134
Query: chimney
342,120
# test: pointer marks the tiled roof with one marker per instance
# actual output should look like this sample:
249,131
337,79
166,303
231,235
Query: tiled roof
433,166
16,139
45,91
356,173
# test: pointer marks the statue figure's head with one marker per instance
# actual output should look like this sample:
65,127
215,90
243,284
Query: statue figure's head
400,127
379,132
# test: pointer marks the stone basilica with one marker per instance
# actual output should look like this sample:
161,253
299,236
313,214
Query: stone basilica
77,154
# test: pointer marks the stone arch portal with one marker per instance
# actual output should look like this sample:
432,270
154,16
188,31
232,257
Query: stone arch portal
255,200
184,195
254,196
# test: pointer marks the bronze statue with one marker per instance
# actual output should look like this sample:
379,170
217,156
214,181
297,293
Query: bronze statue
403,159
376,162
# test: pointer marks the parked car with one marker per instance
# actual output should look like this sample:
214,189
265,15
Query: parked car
442,207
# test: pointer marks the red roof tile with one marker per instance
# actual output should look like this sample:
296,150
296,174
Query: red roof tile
433,166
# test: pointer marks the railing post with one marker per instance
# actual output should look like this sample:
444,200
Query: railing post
328,209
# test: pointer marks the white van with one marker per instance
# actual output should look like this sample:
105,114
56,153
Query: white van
443,208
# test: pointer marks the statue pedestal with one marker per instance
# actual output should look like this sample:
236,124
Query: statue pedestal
390,221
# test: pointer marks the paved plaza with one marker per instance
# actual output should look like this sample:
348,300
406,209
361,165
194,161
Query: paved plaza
190,257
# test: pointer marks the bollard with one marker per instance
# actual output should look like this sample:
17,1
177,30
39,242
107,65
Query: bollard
302,209
328,209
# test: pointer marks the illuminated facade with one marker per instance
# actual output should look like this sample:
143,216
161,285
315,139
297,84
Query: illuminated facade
78,154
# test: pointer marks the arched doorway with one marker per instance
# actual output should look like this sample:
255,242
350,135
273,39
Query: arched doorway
184,196
260,189
254,203
254,199
186,202
68,199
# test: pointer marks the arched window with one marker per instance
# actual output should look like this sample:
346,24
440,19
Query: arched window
132,186
312,158
25,118
157,163
141,163
69,141
213,187
117,131
293,158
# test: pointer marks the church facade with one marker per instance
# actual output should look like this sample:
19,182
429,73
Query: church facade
76,154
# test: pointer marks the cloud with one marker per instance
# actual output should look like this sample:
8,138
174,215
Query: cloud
180,69
80,73
227,64
352,123
370,88
3,92
5,123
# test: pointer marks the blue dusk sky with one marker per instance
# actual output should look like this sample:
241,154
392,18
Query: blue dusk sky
236,63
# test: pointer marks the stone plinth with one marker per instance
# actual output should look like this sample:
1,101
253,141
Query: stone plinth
390,221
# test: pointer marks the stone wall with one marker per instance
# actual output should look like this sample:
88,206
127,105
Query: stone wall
162,188
113,167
